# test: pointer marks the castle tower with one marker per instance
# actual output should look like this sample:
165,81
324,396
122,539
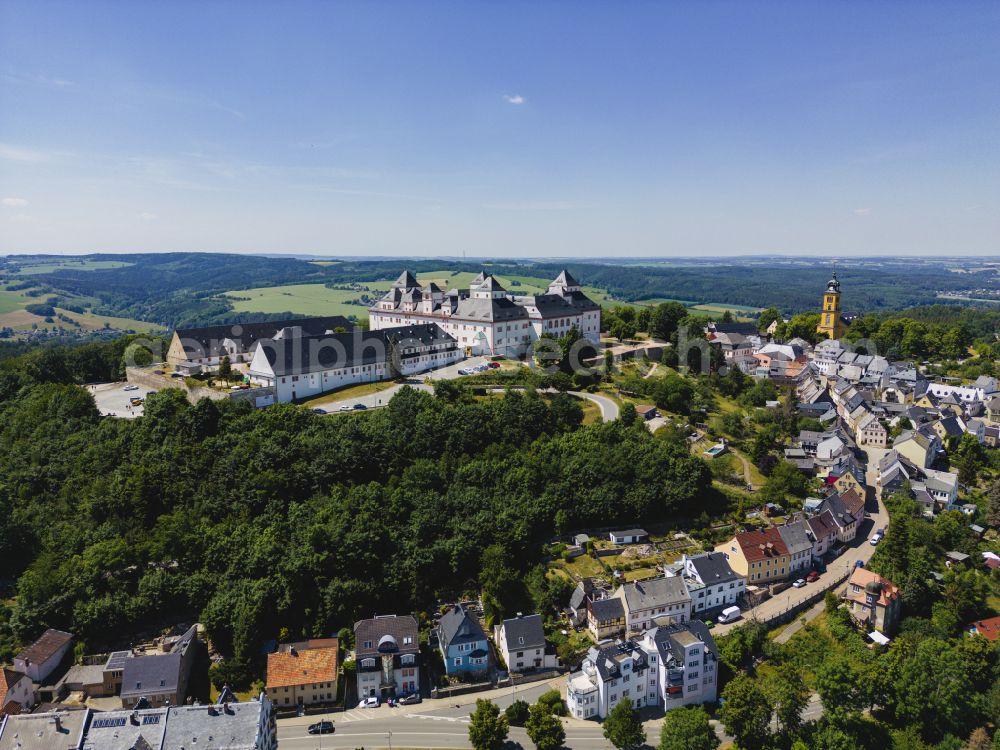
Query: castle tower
830,324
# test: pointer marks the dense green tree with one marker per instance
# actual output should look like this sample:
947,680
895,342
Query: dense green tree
840,688
746,712
687,728
544,729
622,727
517,713
931,690
487,726
789,695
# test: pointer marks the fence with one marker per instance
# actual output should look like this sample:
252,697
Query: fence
793,608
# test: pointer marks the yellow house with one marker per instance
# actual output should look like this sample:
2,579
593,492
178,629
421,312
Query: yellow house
830,324
848,481
761,556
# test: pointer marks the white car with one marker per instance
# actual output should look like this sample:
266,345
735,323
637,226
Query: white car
799,583
371,701
875,539
345,407
131,388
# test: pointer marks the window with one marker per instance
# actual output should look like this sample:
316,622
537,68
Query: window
458,661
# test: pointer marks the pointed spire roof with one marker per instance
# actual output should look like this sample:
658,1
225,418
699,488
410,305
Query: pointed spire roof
490,284
406,280
565,278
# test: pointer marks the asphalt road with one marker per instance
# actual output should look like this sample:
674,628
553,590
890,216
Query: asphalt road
609,409
112,399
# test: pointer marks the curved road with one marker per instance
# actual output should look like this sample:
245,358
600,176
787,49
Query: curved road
609,409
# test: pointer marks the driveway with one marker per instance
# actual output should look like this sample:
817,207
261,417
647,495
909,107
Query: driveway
112,399
382,398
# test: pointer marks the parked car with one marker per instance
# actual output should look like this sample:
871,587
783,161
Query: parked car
322,727
859,563
464,372
729,614
407,700
317,410
875,539
345,407
799,583
709,624
812,577
494,365
371,701
360,407
131,388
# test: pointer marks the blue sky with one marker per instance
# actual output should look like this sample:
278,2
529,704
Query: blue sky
500,129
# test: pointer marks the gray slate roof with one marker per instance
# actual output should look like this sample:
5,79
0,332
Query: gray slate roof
375,630
656,592
232,728
458,626
524,632
713,567
151,675
795,538
607,609
207,341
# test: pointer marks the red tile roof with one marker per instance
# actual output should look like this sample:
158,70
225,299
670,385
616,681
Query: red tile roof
989,629
862,577
305,667
762,545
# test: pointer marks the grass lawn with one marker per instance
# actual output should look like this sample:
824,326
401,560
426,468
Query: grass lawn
302,299
11,301
352,391
580,567
641,573
591,411
91,321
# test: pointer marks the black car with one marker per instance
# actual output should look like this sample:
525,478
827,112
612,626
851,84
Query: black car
360,407
406,700
321,727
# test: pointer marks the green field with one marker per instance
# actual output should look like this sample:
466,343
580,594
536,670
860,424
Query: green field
13,315
77,265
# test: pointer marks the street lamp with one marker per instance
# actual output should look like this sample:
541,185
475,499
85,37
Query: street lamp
389,735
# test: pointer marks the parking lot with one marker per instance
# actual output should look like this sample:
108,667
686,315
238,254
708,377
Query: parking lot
113,400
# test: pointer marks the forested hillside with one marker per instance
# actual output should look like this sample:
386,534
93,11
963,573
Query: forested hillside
181,289
257,520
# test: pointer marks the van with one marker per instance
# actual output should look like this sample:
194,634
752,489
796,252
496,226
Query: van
729,614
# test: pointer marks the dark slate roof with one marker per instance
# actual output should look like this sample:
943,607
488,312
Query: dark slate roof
713,567
302,355
607,609
548,305
151,675
670,639
608,660
583,590
46,646
387,634
794,535
524,632
841,514
458,626
207,341
406,280
493,309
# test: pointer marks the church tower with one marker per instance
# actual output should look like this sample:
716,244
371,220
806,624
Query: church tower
830,324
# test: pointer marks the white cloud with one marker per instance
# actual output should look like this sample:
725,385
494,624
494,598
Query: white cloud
147,216
37,79
514,99
9,152
862,211
14,202
536,206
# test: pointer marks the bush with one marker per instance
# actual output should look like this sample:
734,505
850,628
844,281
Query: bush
553,702
517,713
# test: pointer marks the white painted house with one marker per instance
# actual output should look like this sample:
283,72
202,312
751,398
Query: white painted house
299,367
486,318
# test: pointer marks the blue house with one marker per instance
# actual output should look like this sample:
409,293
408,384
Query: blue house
463,644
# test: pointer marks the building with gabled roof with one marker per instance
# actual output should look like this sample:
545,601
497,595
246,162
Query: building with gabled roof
193,348
463,645
16,691
387,655
873,600
160,679
800,547
299,367
303,674
40,658
486,318
521,642
654,598
605,618
761,556
711,582
49,730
